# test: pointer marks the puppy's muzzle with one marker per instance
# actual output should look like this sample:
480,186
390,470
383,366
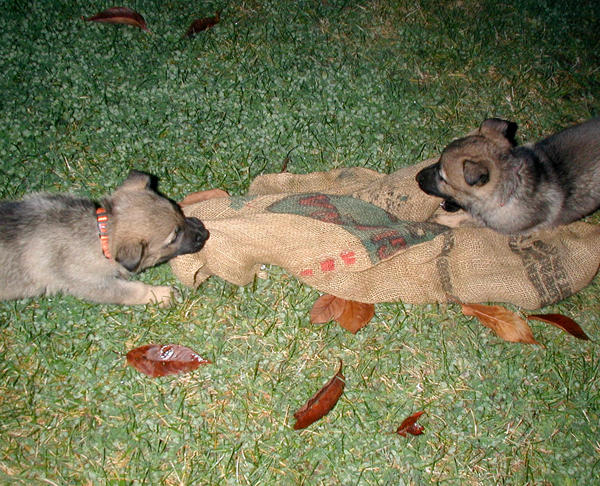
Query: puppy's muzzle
195,236
427,179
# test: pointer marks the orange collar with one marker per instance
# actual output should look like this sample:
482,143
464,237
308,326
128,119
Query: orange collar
102,220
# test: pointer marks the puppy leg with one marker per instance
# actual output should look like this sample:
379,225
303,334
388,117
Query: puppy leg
454,220
153,294
126,292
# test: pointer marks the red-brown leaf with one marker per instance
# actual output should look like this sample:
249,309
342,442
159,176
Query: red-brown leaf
327,308
505,323
410,426
120,15
356,315
162,360
322,402
196,197
199,25
562,322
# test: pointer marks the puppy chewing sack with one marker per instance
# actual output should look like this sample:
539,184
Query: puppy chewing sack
364,236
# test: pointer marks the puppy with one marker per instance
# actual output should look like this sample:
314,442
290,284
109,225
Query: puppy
51,243
517,190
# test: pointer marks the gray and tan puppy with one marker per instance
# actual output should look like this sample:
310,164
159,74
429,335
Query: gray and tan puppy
57,243
518,189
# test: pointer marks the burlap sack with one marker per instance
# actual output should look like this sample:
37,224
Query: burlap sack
361,236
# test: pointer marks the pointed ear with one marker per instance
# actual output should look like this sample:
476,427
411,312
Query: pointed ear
476,174
138,180
500,130
130,256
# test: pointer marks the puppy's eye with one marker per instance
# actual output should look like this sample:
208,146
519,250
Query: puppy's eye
175,235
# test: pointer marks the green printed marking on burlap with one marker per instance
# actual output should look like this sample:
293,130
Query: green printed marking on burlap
239,202
543,264
382,234
347,175
443,263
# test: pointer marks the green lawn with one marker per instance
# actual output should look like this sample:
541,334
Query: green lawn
327,83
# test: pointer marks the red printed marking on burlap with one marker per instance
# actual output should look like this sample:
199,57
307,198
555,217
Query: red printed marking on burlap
348,257
328,265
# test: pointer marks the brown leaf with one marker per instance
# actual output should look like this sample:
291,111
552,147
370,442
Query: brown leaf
349,314
199,25
162,360
562,322
327,308
321,403
196,197
410,426
356,315
120,15
506,324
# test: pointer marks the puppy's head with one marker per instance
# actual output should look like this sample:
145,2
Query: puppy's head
146,229
471,168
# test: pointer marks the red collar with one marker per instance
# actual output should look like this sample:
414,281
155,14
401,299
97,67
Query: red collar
102,220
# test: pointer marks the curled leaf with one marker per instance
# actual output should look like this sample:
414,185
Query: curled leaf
356,315
120,15
321,403
349,314
410,426
505,323
200,196
162,360
327,308
562,322
199,25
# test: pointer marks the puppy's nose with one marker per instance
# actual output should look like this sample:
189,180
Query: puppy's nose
422,181
427,179
200,232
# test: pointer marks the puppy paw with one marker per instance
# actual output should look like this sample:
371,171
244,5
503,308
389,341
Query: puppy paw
454,220
163,296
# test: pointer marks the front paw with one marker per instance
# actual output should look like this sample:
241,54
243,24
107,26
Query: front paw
454,220
162,295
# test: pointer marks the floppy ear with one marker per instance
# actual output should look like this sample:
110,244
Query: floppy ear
130,256
138,180
500,130
476,174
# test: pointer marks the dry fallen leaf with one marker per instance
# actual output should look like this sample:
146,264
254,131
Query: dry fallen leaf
199,25
162,360
349,314
200,196
410,426
322,402
562,322
356,315
505,323
120,15
327,308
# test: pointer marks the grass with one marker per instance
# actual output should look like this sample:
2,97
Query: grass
328,84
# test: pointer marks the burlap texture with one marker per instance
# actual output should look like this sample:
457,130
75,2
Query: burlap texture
362,236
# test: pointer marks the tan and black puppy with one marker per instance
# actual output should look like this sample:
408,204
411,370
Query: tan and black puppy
518,189
57,243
